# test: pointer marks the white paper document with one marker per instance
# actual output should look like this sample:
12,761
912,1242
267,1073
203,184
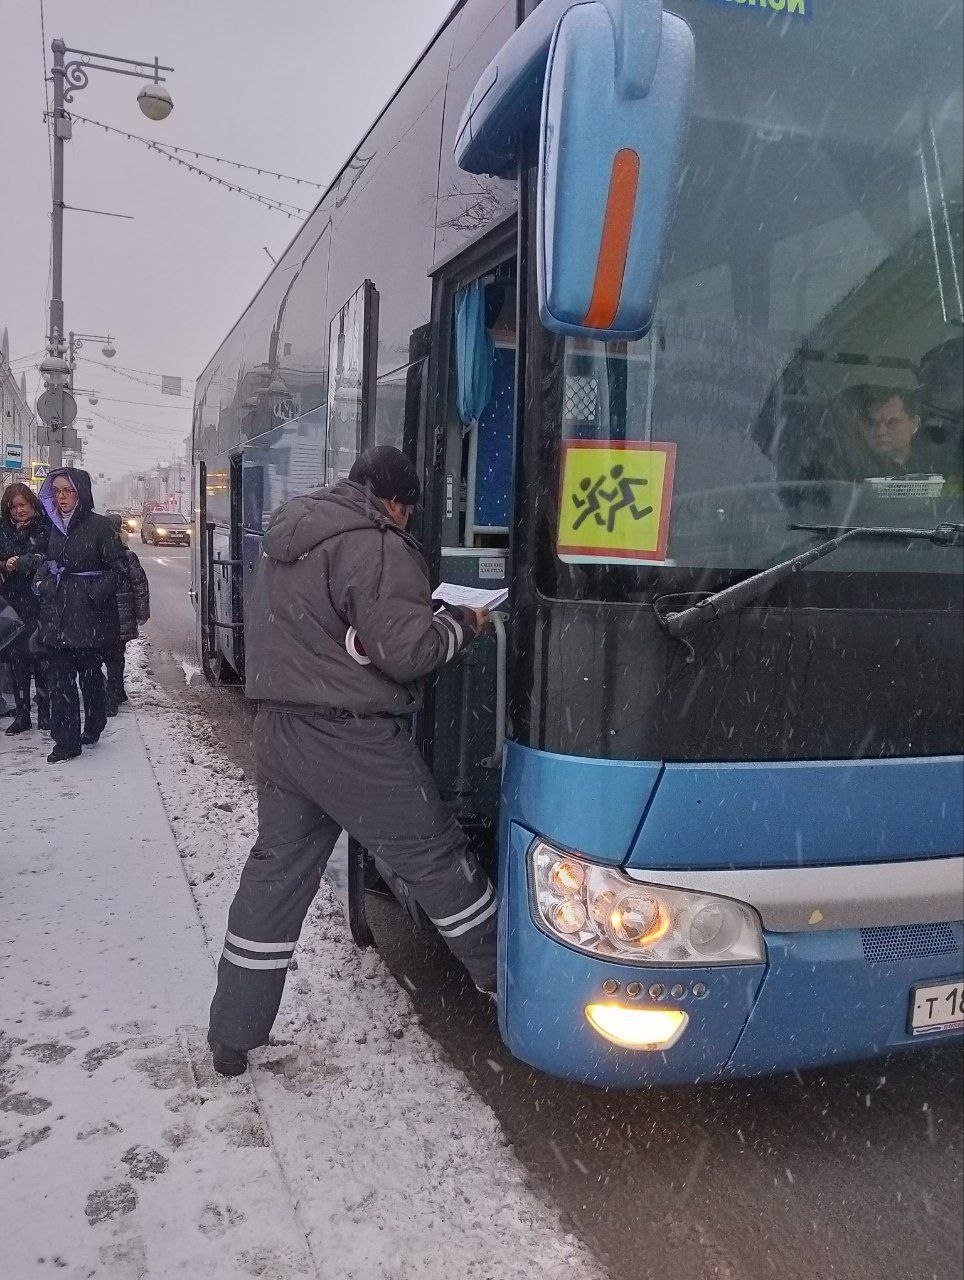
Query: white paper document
473,597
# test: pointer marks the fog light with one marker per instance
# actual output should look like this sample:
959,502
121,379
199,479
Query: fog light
635,1028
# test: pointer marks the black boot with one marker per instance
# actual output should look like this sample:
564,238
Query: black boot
227,1062
21,696
62,753
89,739
43,717
20,724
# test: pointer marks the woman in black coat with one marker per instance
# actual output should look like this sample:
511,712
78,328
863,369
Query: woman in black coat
24,535
77,587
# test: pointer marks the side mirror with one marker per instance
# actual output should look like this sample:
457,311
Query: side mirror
609,167
612,80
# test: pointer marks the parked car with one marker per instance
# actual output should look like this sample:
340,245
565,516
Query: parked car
168,528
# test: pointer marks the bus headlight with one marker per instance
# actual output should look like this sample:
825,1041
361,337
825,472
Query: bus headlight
601,911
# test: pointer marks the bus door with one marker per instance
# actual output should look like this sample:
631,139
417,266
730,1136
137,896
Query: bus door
469,501
225,578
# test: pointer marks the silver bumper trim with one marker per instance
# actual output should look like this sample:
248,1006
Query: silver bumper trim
800,899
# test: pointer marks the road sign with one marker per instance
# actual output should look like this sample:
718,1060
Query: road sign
57,408
39,471
13,457
615,502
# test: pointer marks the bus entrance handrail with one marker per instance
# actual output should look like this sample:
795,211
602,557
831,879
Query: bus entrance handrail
494,761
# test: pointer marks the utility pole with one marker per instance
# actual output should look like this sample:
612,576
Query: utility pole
155,102
62,131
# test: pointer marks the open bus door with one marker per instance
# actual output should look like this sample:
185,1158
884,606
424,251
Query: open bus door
466,455
468,513
221,577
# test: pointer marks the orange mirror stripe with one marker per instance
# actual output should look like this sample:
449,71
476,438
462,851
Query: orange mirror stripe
614,246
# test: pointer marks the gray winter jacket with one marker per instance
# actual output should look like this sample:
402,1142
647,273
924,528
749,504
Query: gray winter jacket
337,583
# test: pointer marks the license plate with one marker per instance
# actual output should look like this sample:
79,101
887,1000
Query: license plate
937,1007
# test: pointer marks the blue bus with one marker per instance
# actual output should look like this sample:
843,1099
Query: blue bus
665,302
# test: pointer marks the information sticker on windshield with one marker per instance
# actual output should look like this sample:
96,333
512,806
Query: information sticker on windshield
615,501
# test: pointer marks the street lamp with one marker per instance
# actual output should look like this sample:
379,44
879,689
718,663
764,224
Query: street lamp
155,102
68,78
77,340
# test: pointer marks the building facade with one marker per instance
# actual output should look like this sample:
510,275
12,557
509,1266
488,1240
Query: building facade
19,450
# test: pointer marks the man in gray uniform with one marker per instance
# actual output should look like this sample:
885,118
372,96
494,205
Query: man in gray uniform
341,632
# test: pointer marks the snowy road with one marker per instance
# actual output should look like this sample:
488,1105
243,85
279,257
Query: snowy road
854,1173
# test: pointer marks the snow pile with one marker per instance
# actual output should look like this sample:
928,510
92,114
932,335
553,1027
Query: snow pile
398,1169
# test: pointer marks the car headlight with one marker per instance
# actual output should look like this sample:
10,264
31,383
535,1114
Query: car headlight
601,911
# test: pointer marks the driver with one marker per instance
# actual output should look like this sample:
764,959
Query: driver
893,429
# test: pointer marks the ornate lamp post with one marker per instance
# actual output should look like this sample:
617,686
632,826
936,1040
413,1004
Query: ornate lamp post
76,341
68,78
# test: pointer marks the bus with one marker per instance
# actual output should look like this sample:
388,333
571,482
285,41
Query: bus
665,303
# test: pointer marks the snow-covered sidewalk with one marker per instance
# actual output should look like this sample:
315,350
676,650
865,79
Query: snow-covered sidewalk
352,1151
124,1156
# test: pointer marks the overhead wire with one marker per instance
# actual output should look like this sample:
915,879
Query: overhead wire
133,377
125,423
153,373
287,207
206,155
145,404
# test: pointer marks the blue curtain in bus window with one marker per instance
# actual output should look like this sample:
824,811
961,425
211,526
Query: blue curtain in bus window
493,473
473,353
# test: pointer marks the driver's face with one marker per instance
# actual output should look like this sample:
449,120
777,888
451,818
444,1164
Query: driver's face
65,496
893,429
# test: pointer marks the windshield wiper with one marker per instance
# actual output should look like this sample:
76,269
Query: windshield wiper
720,604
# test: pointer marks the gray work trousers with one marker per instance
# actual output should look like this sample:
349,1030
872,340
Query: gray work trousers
318,776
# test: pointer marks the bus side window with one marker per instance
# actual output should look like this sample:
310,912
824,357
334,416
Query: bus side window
485,356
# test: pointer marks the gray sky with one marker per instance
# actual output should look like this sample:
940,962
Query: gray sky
291,84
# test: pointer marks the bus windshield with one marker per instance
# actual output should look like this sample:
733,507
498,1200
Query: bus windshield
805,366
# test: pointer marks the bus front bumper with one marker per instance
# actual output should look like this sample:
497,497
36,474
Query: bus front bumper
821,997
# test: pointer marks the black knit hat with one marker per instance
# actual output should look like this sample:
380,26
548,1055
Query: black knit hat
388,474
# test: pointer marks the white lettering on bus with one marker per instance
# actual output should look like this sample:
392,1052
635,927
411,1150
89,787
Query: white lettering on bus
776,6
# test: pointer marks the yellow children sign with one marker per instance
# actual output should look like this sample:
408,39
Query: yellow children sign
615,501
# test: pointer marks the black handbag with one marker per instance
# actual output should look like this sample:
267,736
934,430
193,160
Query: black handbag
11,625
